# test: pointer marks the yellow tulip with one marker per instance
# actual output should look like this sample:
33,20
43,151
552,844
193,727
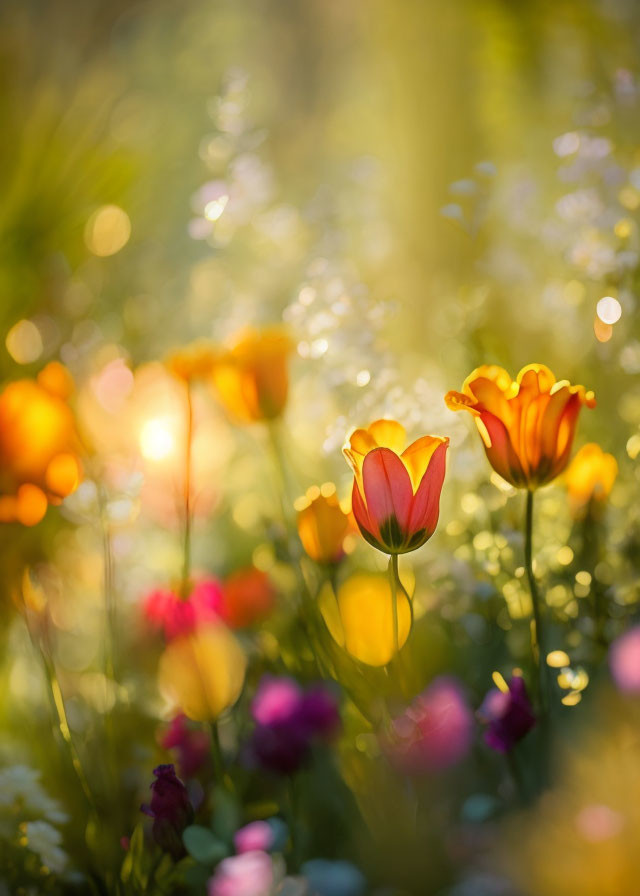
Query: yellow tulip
360,617
203,673
590,477
322,524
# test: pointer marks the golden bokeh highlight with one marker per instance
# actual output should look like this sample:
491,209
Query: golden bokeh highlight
107,231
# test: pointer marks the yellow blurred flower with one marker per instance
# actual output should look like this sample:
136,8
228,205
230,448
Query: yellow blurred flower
590,477
203,673
39,445
360,617
251,378
322,524
527,425
582,836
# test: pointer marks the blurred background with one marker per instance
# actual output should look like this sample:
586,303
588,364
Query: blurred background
415,188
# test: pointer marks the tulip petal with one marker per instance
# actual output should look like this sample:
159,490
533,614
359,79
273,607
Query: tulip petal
388,434
417,456
367,527
425,507
388,495
499,450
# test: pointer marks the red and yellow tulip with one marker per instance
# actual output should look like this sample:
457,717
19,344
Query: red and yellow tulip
251,378
396,492
527,425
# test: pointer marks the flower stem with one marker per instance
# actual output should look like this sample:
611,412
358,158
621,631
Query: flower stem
537,631
393,578
186,553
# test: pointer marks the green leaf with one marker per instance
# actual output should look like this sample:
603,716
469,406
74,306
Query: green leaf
201,843
225,819
133,858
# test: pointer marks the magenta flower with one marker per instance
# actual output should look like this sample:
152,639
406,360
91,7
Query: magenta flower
177,615
170,809
289,720
507,715
435,731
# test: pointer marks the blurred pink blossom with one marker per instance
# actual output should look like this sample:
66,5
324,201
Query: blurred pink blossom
247,874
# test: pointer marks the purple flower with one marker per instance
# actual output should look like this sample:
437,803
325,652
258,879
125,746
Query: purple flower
435,731
288,721
508,715
170,809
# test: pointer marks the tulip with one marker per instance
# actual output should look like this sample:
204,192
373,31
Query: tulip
624,661
170,809
507,714
590,477
166,609
288,721
435,731
527,425
251,378
360,617
322,524
202,673
39,445
192,745
247,874
193,362
248,597
396,496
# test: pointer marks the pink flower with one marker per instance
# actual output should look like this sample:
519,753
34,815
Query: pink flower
624,660
435,731
178,615
258,835
248,874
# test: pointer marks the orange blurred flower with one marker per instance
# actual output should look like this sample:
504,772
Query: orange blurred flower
248,596
527,424
322,524
192,362
39,445
396,496
251,378
590,477
202,673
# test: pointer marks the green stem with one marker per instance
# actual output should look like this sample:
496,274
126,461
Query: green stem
537,631
60,711
394,579
216,753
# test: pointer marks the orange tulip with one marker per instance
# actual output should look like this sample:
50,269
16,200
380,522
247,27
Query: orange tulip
39,445
193,362
527,424
396,496
590,477
322,524
251,378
